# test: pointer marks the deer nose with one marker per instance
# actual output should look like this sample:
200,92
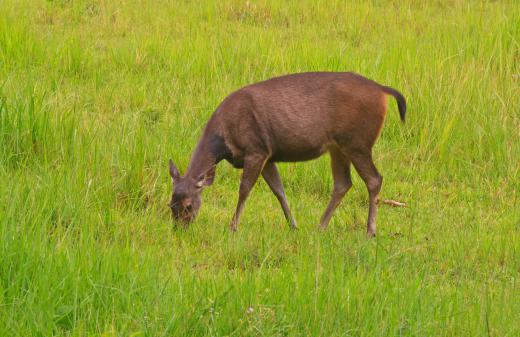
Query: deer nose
187,204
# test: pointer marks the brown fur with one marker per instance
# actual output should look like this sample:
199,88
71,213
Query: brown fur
298,117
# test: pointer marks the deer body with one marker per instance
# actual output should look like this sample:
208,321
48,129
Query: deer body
293,118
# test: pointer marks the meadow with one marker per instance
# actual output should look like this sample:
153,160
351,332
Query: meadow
96,96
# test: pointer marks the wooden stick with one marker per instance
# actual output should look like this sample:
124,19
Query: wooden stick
394,203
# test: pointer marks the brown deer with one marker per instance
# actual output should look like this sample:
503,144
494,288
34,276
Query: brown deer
291,118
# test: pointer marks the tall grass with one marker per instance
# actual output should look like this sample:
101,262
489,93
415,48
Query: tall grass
95,96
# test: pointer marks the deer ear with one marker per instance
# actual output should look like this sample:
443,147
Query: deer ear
174,172
207,178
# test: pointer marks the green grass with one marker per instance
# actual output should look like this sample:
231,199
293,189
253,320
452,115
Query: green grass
95,96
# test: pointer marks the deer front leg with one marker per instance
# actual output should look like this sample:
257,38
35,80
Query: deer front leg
253,166
272,177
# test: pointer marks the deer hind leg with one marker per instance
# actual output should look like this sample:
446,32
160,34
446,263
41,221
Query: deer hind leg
362,161
272,177
340,165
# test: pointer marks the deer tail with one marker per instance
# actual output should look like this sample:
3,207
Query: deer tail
401,101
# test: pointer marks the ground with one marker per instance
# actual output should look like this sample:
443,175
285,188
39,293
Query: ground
96,96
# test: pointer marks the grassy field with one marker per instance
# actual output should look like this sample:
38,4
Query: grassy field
96,96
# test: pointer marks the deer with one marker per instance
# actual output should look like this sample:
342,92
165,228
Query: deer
291,118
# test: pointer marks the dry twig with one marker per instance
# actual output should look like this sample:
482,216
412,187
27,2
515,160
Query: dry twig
394,203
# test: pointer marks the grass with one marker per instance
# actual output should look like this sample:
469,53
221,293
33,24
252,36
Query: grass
95,96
